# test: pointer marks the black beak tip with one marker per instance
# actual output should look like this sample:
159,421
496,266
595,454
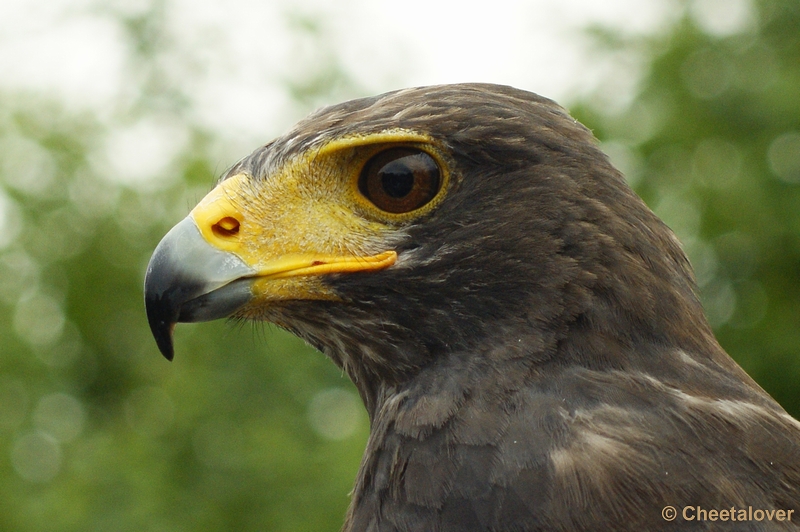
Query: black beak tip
162,332
165,346
162,324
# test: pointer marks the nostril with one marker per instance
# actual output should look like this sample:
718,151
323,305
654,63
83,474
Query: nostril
226,228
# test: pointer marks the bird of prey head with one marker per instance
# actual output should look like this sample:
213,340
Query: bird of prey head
524,332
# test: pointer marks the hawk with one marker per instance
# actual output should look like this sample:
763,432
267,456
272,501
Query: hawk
524,332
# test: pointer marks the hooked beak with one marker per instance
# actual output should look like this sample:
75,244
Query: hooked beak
189,280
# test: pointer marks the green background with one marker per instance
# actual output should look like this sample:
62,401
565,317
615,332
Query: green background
249,429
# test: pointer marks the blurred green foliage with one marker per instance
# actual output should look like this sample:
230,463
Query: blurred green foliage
97,432
251,430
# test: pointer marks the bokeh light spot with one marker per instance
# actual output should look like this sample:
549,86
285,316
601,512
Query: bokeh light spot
65,351
36,457
39,320
723,17
138,155
719,301
26,166
784,157
335,414
19,273
703,258
681,213
60,415
10,220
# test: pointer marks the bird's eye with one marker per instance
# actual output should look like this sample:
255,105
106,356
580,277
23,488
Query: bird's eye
400,180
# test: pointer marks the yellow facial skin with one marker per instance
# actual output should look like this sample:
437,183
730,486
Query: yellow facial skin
309,218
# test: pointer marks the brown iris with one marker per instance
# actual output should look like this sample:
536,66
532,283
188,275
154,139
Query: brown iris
400,180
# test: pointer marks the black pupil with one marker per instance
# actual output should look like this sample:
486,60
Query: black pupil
397,179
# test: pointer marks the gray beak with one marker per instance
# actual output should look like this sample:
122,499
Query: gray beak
188,280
